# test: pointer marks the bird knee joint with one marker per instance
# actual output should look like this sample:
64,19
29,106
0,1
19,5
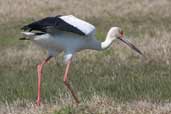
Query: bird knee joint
65,81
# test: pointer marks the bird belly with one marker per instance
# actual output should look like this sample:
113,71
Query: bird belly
63,42
69,42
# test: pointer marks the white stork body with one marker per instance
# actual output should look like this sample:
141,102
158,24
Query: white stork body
68,42
68,34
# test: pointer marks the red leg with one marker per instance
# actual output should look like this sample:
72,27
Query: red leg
39,71
67,84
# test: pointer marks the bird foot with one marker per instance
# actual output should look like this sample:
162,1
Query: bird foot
38,102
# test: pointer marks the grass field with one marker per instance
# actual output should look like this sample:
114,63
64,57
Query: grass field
116,81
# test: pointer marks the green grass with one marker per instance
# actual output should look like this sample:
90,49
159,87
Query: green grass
113,77
121,82
105,82
114,81
10,32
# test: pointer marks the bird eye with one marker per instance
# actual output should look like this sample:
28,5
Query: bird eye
121,33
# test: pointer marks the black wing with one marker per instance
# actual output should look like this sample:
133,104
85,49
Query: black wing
55,23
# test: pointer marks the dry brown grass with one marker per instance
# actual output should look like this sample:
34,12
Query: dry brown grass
17,10
156,47
96,105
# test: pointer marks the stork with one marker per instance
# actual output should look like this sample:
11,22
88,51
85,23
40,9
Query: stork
68,34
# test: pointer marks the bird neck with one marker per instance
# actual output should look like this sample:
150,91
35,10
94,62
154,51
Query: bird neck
98,45
106,44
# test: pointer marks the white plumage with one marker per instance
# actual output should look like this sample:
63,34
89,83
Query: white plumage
70,43
83,26
69,34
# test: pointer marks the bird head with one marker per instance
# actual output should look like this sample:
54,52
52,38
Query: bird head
117,33
114,33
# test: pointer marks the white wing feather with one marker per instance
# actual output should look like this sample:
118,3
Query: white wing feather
82,25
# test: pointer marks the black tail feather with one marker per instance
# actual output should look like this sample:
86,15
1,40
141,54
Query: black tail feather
26,28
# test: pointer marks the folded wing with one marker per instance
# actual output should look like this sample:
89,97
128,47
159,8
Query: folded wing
67,23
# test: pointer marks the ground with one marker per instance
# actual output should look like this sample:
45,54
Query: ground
113,81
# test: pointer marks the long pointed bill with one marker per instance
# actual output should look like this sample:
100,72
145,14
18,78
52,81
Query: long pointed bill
124,40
